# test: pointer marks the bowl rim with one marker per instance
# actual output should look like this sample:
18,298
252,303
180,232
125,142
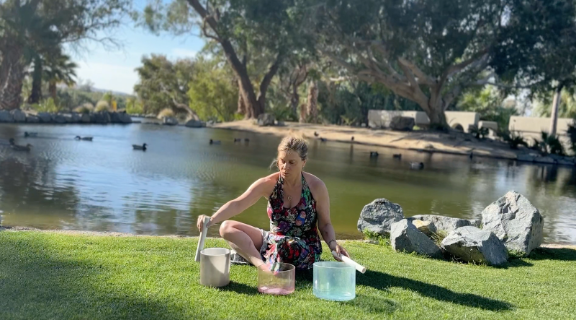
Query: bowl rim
332,265
225,252
291,268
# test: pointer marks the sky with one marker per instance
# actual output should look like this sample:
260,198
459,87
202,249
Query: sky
113,69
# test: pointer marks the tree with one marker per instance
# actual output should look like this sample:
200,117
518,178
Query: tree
245,30
29,28
489,103
59,69
566,104
165,84
429,51
213,93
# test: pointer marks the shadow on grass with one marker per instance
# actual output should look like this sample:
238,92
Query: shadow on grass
35,285
303,282
517,263
383,281
560,254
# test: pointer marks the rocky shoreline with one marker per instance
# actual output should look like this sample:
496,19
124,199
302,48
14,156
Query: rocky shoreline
19,116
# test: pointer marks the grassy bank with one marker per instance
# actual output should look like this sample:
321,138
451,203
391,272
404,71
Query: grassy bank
47,275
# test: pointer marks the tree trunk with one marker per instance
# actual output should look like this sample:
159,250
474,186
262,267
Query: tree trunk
303,113
254,105
10,98
53,91
554,115
36,93
10,92
241,104
246,89
313,101
294,99
437,118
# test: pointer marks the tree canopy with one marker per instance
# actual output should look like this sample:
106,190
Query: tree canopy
429,51
30,29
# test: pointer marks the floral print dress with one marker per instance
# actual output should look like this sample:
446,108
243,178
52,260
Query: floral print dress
293,236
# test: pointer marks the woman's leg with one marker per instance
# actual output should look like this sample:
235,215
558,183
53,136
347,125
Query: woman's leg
245,239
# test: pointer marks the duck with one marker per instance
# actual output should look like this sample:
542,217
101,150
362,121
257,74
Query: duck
352,139
417,165
323,139
316,134
30,134
237,140
214,141
397,156
16,147
84,138
140,147
246,140
373,154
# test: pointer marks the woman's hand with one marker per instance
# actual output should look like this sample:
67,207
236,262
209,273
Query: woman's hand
339,250
200,222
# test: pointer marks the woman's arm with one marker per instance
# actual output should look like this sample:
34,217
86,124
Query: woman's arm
258,189
324,223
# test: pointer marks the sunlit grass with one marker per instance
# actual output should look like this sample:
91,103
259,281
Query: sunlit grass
60,276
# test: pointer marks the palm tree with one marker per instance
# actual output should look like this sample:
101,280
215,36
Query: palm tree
24,32
58,70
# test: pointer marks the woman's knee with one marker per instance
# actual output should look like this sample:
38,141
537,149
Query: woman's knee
226,228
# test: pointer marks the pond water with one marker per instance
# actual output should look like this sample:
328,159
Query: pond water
104,185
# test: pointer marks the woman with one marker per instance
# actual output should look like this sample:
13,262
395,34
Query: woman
298,205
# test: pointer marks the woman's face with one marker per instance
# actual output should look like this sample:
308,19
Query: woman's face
289,163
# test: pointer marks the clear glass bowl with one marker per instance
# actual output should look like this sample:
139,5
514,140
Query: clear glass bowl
279,282
334,281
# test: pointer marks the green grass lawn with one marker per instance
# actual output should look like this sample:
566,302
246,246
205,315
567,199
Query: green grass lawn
59,276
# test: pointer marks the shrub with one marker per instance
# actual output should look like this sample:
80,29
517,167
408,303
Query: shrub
512,139
85,108
102,106
47,105
166,112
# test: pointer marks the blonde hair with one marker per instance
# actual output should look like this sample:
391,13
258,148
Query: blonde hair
292,143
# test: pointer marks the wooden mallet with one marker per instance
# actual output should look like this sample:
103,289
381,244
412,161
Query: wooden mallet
202,238
350,262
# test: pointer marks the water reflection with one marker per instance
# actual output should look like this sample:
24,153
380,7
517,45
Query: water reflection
105,185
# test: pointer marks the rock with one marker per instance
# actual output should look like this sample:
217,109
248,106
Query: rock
446,224
30,118
474,245
74,118
18,115
120,117
169,121
125,118
405,237
58,118
370,241
426,227
515,221
378,216
114,117
195,124
6,116
100,117
266,119
45,117
400,123
85,118
280,123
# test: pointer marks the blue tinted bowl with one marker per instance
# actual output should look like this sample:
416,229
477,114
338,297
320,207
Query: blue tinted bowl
334,281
